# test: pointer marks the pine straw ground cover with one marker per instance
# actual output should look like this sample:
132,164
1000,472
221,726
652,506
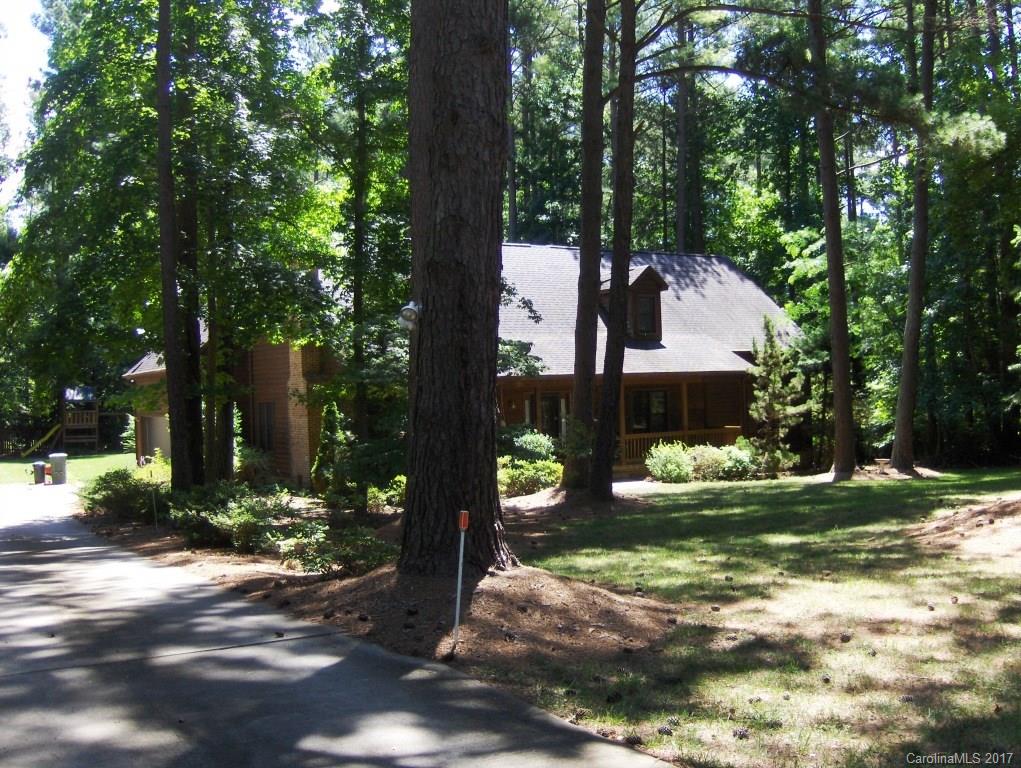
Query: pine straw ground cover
787,623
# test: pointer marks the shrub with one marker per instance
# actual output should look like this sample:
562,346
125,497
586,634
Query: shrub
306,543
397,491
739,463
228,514
519,478
126,495
375,500
707,462
520,441
534,446
128,436
355,550
669,463
254,466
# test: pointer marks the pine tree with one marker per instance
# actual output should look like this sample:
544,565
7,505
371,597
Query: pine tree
774,405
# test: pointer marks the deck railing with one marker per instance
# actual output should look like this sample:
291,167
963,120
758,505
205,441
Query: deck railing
634,448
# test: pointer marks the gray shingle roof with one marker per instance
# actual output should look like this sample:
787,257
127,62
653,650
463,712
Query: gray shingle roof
153,361
710,311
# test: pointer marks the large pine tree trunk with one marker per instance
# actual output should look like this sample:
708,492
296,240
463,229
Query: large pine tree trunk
188,246
843,441
181,468
681,191
359,267
903,456
586,320
458,147
601,480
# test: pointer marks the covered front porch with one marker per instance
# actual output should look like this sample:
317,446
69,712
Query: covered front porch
691,408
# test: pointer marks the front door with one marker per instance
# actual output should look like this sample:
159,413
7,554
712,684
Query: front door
553,415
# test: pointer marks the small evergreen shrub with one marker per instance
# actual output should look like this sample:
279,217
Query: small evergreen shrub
397,491
519,478
128,436
375,501
534,446
739,464
228,514
669,463
708,462
254,466
125,494
306,543
354,550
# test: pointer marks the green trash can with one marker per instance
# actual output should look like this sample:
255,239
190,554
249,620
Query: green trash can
58,473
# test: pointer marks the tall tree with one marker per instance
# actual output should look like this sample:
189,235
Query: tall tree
458,148
576,472
601,473
843,439
183,471
903,455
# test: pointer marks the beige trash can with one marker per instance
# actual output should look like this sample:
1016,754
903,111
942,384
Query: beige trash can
58,475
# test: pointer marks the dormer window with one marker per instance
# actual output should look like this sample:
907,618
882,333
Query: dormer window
644,321
646,316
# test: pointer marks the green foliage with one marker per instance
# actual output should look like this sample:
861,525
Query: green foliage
128,495
397,491
534,446
253,465
228,514
775,405
707,462
669,463
739,462
330,447
128,436
520,477
353,550
306,543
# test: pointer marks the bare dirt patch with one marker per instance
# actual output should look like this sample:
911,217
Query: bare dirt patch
982,530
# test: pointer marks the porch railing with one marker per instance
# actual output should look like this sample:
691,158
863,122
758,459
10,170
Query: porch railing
634,448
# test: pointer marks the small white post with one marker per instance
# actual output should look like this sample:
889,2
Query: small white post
462,523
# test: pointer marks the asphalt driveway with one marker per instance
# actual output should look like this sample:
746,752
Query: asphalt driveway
107,660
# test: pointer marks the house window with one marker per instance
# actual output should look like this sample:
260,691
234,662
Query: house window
645,315
649,411
264,426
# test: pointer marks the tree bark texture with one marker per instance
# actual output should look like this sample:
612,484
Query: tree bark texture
903,455
843,439
458,151
182,476
188,247
601,479
681,192
586,319
359,267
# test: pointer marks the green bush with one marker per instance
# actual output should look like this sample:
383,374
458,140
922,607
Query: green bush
306,543
522,442
669,463
708,462
358,550
519,478
739,463
126,495
397,491
375,501
228,514
254,466
534,446
354,550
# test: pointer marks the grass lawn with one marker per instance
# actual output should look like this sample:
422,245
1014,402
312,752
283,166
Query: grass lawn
80,469
814,629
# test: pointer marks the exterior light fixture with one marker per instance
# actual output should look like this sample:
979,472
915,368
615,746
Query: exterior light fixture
409,314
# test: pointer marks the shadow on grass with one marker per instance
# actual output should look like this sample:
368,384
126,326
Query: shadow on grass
682,546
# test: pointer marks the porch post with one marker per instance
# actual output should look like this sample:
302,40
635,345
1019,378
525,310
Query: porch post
684,405
621,421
